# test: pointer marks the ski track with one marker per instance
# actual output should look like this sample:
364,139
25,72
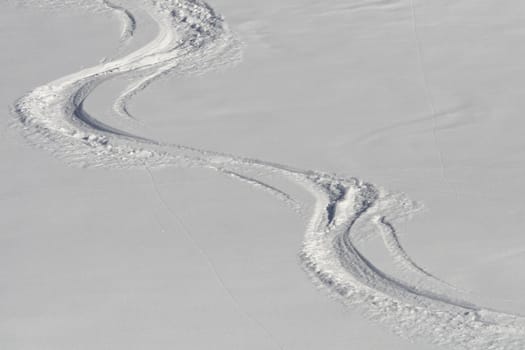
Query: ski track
397,251
129,23
192,39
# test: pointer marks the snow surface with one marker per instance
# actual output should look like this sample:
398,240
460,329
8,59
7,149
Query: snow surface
183,214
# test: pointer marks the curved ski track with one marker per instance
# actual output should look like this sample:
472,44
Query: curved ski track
193,38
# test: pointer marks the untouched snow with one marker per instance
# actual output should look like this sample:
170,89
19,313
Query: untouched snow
191,234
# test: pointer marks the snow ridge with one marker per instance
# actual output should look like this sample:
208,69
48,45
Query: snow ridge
193,38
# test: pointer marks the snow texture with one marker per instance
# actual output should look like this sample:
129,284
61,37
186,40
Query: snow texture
194,38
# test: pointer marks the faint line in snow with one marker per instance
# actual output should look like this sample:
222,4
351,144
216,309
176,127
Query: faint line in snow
429,98
210,263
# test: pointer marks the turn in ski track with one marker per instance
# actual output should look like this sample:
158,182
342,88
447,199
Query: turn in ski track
193,38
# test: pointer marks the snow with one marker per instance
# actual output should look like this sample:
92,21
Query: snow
194,221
